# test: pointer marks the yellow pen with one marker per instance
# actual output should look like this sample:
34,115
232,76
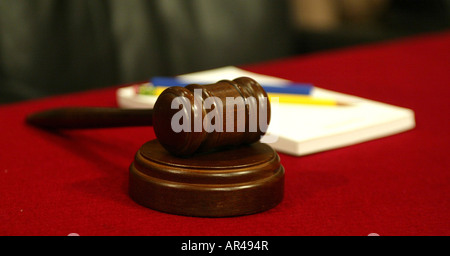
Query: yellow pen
281,97
302,99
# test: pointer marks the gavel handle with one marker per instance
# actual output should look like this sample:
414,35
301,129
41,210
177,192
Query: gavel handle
90,117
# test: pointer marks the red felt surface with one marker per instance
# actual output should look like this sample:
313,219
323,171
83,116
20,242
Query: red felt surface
77,181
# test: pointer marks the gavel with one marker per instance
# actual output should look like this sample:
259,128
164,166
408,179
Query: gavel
187,169
186,120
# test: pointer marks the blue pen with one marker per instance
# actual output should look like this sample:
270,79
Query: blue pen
290,88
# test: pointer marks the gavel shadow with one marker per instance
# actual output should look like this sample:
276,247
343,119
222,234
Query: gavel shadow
103,158
309,183
304,183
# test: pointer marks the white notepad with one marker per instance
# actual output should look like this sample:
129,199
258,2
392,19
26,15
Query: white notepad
300,129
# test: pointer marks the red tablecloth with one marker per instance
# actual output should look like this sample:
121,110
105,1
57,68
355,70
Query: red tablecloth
77,181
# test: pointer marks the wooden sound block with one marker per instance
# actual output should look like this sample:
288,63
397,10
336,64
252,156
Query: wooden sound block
239,181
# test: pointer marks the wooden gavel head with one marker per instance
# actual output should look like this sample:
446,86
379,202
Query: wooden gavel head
199,118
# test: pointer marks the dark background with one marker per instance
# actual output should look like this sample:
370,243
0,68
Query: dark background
50,47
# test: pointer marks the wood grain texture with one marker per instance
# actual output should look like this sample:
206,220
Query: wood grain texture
90,117
238,115
236,181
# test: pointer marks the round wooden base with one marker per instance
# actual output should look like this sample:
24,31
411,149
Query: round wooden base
239,181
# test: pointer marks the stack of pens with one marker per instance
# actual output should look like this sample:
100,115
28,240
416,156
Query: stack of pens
290,93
